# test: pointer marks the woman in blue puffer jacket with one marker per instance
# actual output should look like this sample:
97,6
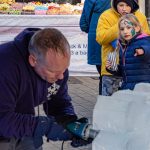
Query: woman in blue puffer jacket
88,23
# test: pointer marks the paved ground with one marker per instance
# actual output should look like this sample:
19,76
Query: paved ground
84,91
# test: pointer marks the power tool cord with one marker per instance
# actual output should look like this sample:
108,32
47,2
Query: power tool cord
62,145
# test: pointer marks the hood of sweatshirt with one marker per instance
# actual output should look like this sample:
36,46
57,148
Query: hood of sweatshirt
22,40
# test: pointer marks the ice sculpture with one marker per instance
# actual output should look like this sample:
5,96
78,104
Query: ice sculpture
123,120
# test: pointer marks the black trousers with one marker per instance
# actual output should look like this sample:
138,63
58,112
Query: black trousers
98,67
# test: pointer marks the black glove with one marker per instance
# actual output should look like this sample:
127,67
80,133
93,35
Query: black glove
83,120
43,124
58,133
77,142
47,126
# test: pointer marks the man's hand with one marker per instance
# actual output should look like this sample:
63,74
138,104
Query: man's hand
138,52
58,133
47,126
43,124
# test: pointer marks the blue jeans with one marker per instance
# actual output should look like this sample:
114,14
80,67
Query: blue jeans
25,143
110,84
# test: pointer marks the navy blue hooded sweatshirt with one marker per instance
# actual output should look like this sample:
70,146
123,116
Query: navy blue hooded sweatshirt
21,89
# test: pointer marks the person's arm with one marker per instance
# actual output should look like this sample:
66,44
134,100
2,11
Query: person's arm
146,49
105,33
13,124
84,19
143,51
84,25
114,43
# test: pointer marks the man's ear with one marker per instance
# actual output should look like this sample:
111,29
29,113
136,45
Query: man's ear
32,60
137,29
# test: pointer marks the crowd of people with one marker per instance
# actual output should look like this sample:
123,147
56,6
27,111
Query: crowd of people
108,37
30,77
107,34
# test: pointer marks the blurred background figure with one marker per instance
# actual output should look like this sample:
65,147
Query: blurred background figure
73,2
88,23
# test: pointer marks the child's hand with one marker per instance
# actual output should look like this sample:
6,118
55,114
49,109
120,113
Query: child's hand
138,52
108,64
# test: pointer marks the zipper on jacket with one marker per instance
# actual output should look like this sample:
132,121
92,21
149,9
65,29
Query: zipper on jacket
123,61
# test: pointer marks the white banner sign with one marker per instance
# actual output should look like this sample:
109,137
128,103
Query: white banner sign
11,25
